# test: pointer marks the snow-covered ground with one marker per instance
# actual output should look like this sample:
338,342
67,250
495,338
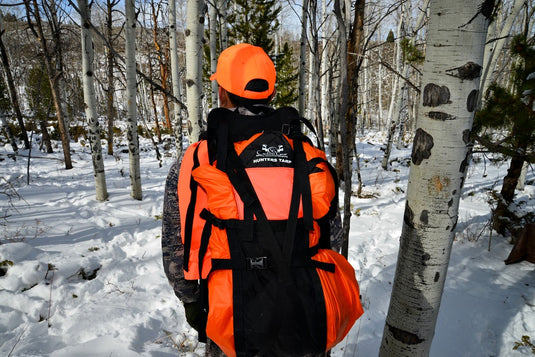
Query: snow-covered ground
87,277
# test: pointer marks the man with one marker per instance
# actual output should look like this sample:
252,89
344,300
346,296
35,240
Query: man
246,79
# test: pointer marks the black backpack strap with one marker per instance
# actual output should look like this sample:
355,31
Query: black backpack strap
300,193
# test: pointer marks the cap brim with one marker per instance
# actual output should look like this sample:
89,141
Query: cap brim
213,77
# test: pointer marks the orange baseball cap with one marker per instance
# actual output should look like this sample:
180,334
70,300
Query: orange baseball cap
246,71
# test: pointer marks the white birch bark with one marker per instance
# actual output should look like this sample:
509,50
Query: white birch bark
175,76
439,161
302,58
324,95
212,16
493,50
313,73
404,98
194,55
90,102
393,111
380,91
522,179
133,144
223,35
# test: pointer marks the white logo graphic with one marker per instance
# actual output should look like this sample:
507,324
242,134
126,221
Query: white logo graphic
272,154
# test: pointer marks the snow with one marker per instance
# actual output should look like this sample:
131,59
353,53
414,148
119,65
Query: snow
87,276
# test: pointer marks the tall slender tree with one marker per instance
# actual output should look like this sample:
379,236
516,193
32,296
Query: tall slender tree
303,56
90,102
110,74
175,76
439,163
131,82
194,57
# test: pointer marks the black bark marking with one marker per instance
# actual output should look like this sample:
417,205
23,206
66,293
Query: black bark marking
425,258
454,226
450,203
188,32
424,217
404,336
408,216
488,9
471,102
435,95
469,70
466,136
440,116
421,147
190,82
437,276
464,164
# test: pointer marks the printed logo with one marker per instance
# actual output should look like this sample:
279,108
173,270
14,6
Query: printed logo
272,154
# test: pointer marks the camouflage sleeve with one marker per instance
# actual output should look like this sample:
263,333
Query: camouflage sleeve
172,248
336,231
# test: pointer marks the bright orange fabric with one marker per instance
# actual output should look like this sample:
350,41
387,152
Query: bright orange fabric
184,195
341,293
273,187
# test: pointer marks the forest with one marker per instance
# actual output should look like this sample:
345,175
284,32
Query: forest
425,108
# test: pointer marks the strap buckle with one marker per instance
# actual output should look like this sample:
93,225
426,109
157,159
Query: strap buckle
257,263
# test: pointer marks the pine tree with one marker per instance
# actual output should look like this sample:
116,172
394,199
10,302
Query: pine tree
511,118
287,77
255,22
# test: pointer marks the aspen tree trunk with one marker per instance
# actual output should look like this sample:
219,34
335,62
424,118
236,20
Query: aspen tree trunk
324,95
364,93
131,92
380,91
334,116
493,49
161,54
110,64
403,104
439,162
302,58
339,11
11,87
223,33
175,76
314,66
90,102
54,86
212,16
394,113
194,55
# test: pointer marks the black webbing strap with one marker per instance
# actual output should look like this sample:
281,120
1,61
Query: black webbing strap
300,193
222,142
188,227
241,182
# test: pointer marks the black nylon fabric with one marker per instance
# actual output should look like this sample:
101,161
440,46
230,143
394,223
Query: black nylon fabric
274,318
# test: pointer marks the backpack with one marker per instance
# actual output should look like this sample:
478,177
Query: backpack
255,199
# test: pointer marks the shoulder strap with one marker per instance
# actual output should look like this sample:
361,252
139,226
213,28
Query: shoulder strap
188,227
